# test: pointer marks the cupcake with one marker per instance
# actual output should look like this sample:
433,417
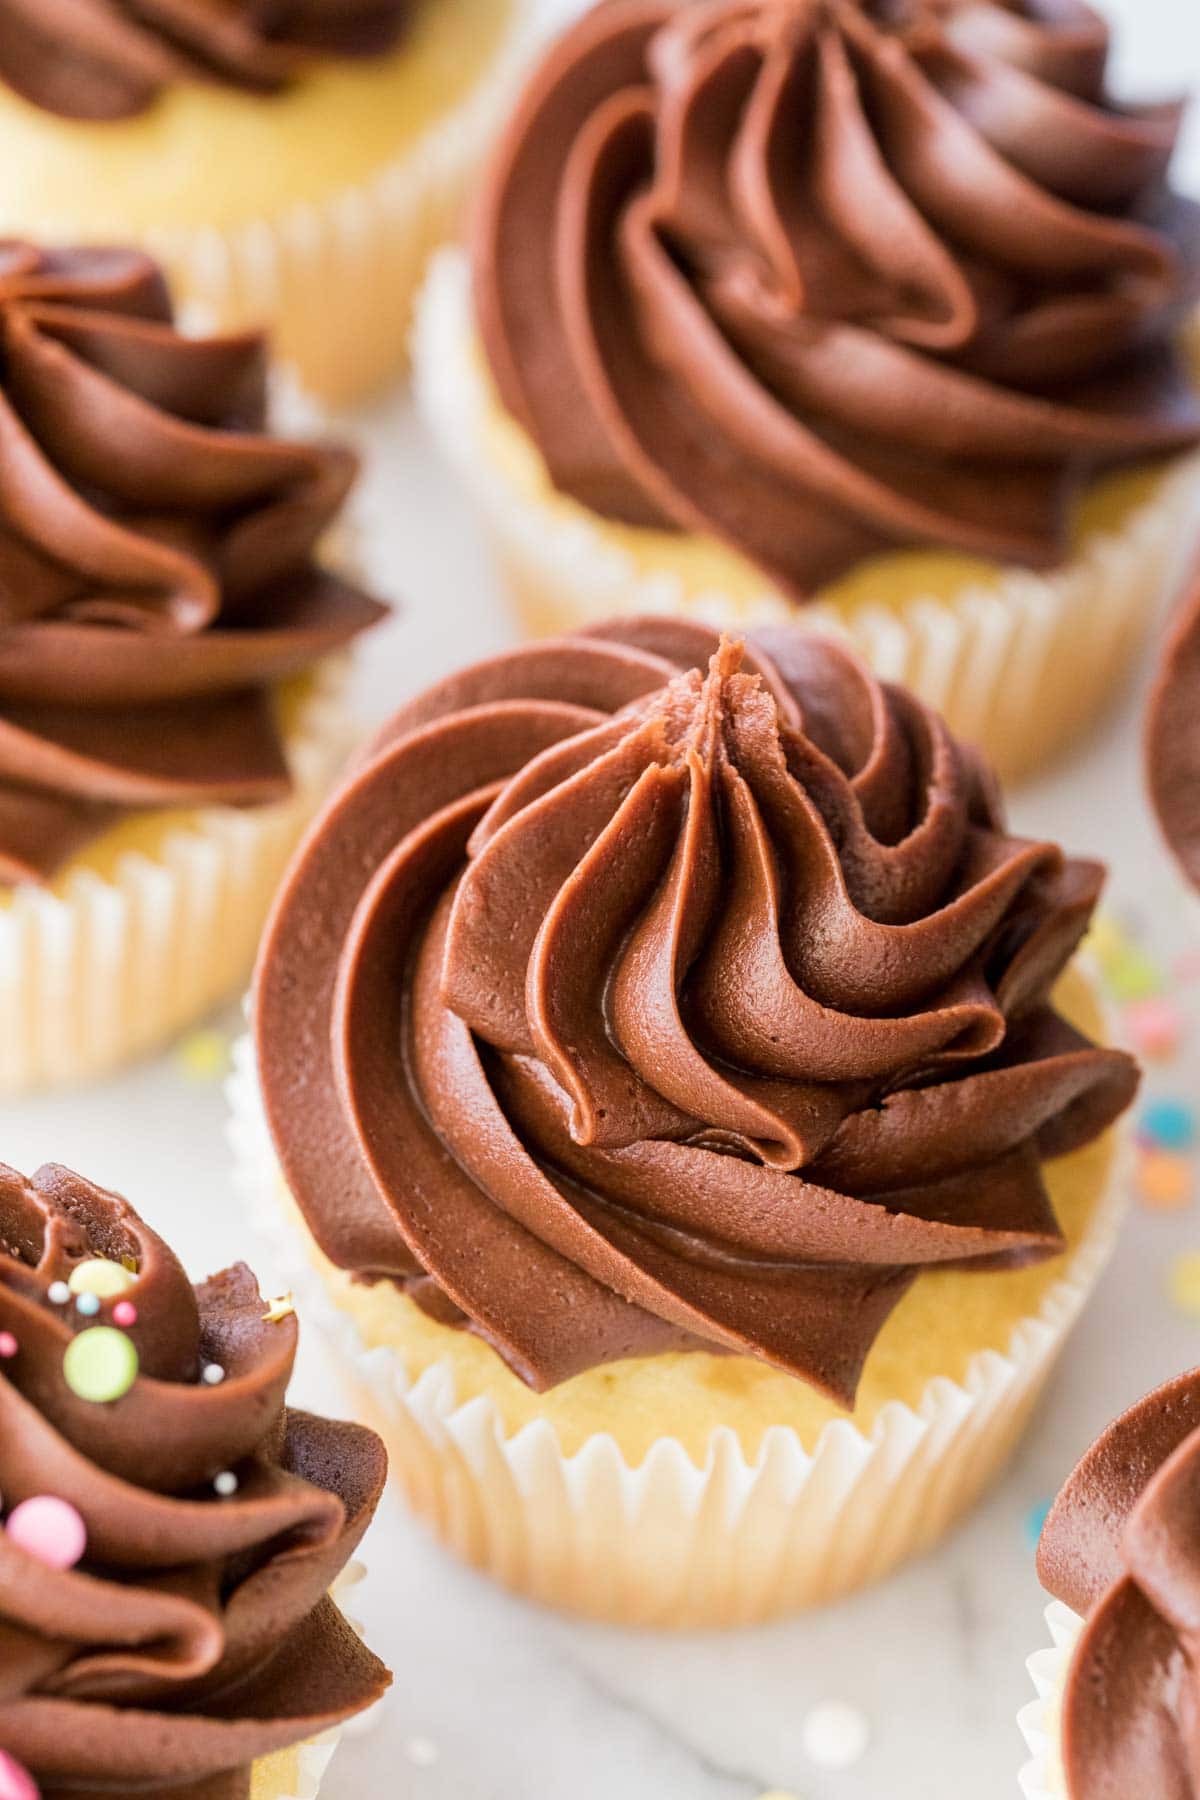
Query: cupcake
698,1157
1116,1715
864,316
1172,743
170,660
172,1530
291,163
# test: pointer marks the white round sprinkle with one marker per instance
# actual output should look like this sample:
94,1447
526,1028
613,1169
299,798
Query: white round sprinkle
88,1305
835,1736
422,1752
58,1293
212,1375
226,1484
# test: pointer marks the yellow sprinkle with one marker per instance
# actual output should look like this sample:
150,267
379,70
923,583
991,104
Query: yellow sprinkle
280,1309
203,1055
1183,1283
101,1277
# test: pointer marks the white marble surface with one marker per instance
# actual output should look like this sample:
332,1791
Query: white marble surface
497,1701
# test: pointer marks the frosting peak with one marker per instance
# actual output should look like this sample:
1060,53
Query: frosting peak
159,557
823,278
195,1635
1121,1547
110,59
723,998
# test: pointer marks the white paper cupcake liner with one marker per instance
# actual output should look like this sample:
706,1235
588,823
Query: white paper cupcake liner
108,969
337,279
1042,1777
992,660
668,1543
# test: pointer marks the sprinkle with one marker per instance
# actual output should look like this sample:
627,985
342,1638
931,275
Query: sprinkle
88,1305
226,1484
835,1736
100,1365
1164,1181
58,1294
278,1310
1183,1283
422,1752
125,1314
1155,1028
1035,1520
8,1346
16,1783
1168,1125
49,1530
212,1374
100,1278
203,1055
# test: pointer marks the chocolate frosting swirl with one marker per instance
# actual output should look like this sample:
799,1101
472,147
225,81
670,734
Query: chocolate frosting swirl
197,1634
1172,740
110,59
643,990
824,278
158,557
1122,1547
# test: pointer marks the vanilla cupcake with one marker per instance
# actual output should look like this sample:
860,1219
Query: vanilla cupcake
291,164
171,1529
1116,1713
869,318
170,661
657,1040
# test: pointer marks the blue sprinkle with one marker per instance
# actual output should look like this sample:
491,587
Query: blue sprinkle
1169,1124
88,1305
1035,1519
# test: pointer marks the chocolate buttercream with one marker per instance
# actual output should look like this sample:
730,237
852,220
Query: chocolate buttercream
825,278
1121,1547
643,990
196,1635
110,59
159,563
1172,738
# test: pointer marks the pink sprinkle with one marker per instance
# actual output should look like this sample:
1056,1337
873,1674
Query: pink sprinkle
16,1783
124,1314
1155,1027
49,1530
8,1349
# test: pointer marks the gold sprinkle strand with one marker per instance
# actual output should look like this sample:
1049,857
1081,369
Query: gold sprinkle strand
278,1310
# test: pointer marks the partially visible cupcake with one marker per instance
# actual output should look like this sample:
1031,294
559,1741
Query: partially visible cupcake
871,316
170,660
292,163
172,1529
1172,741
1118,1695
663,1043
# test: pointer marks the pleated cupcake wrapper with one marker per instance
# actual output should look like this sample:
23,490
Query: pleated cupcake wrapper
337,278
303,1780
112,968
668,1543
1021,668
1041,1721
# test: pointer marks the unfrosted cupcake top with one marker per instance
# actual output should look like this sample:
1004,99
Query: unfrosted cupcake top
1172,738
824,278
1122,1547
110,59
646,990
159,557
171,1529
